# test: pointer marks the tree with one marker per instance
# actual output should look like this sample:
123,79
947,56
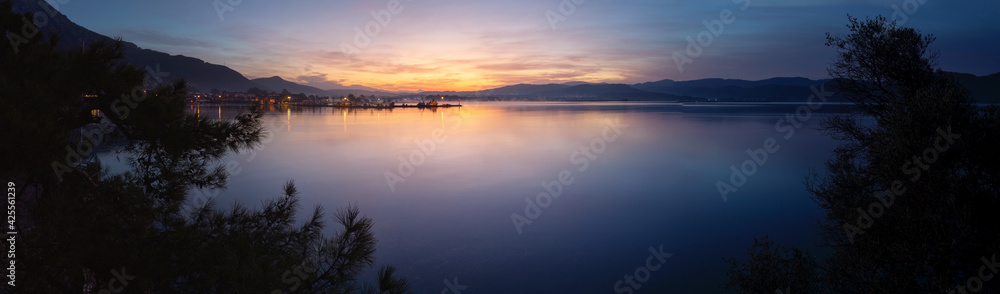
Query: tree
909,198
82,227
257,92
924,162
773,269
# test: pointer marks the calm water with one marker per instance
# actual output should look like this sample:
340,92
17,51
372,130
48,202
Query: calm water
650,184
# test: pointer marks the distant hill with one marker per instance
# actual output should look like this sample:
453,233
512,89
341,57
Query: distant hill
345,92
986,89
576,83
199,74
719,83
277,84
773,89
572,91
608,91
357,88
526,89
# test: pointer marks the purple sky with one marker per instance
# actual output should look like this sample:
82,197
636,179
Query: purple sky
472,45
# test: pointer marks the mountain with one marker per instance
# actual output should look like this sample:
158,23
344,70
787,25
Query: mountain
590,89
773,89
571,91
356,88
985,89
719,83
525,89
606,91
576,83
277,84
199,74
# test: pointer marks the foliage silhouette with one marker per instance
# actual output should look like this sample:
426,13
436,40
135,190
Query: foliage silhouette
85,229
771,267
910,195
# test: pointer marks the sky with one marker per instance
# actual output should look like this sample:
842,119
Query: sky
465,45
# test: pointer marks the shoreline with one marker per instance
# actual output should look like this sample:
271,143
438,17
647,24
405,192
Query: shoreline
334,106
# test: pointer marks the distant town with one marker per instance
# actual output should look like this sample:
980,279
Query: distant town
259,96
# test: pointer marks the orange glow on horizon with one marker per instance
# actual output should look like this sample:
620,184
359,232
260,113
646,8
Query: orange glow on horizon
454,74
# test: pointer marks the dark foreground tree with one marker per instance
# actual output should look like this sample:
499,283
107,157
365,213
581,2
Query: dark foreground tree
911,194
773,268
84,229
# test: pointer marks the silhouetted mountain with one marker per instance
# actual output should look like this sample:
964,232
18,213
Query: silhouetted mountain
357,88
719,83
581,91
606,91
986,89
773,89
577,83
277,84
199,74
591,89
71,34
345,92
525,89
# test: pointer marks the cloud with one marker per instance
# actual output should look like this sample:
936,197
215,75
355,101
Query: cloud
157,38
318,80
